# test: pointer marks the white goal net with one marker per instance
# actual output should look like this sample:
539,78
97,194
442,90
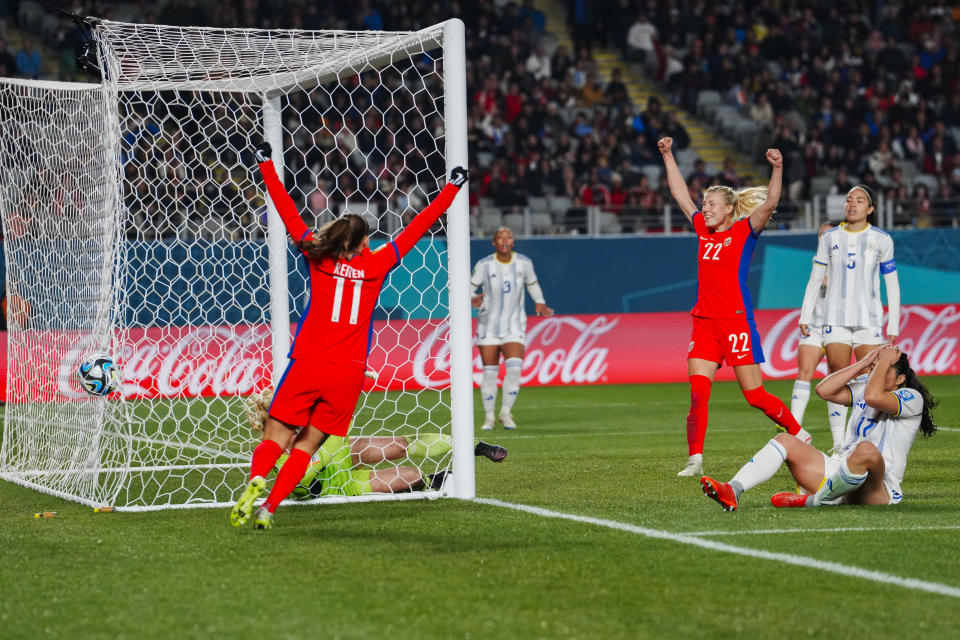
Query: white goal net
136,225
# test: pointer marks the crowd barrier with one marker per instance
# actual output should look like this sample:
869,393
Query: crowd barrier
616,348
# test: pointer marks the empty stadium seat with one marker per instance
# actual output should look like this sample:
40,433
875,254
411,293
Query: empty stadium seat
707,103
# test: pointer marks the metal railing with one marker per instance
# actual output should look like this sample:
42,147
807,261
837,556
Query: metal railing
907,213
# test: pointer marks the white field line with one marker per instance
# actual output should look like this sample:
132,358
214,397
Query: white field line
786,558
833,530
639,432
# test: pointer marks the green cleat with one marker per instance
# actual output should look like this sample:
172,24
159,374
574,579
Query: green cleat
244,507
263,519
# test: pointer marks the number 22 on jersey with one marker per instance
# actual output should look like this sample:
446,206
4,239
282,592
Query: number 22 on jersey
338,300
712,250
736,346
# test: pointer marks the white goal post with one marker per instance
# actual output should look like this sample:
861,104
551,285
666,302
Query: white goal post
137,225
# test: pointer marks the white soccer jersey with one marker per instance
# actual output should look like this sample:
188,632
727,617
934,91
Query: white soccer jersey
816,320
854,262
504,284
893,435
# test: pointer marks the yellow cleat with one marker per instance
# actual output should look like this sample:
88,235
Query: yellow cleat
244,508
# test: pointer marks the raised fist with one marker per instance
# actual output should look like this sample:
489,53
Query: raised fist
774,157
664,144
459,176
264,152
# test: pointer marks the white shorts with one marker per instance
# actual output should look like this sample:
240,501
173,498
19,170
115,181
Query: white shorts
853,336
815,339
487,339
831,465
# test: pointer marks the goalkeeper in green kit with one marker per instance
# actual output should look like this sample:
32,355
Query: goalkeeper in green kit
335,469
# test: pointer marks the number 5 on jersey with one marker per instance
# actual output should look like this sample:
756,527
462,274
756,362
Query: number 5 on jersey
338,300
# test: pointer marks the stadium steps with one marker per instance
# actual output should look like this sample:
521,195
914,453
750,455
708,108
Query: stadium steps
556,22
704,141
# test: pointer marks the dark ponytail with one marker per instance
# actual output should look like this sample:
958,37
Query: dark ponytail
912,381
337,238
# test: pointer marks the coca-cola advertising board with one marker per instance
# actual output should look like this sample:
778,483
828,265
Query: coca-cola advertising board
564,349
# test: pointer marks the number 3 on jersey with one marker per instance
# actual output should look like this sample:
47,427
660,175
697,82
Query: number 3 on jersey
712,247
338,300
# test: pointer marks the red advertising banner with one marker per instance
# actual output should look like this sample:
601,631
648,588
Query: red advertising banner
574,349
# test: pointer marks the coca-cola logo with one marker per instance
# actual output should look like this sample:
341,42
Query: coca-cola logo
185,362
924,336
560,349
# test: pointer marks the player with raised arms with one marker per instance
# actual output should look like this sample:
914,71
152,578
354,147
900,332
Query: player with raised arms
503,277
723,325
852,256
318,392
890,405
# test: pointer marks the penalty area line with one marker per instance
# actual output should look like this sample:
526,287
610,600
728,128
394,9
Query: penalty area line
786,558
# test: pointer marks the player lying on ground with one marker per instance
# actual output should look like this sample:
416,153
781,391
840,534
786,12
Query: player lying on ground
334,470
320,387
889,406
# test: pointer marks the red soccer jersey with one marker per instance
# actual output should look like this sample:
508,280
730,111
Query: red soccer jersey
336,325
723,263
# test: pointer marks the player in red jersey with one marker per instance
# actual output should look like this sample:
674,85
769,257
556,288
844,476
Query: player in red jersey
723,325
319,390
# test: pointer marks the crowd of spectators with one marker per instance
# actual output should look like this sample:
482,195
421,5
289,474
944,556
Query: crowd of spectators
850,92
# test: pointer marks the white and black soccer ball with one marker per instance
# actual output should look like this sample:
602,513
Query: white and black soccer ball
99,375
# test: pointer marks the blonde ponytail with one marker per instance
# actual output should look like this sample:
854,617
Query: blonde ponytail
257,406
747,201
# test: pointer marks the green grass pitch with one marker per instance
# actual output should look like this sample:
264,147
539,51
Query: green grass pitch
455,569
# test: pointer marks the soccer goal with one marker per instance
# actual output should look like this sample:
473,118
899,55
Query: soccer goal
136,225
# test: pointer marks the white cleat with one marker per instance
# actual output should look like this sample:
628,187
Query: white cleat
804,436
488,422
507,419
694,466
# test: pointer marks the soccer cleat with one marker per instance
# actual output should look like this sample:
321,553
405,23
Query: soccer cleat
488,422
804,436
493,451
263,519
244,507
436,479
694,466
787,499
507,419
722,492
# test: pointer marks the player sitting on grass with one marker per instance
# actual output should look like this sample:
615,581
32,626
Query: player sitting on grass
334,472
889,406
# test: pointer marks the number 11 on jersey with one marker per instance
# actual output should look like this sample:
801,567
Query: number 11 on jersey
338,300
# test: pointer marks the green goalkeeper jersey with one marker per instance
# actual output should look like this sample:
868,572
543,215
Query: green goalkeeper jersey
336,475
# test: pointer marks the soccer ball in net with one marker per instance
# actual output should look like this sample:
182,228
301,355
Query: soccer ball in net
99,375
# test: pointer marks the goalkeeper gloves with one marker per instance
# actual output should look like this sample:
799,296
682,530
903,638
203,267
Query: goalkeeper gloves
459,176
264,152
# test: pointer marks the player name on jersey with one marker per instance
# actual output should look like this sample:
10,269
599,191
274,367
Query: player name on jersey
346,271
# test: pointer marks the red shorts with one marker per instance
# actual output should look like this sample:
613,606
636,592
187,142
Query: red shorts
735,340
320,394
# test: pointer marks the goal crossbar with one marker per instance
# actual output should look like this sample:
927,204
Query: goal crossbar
358,50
